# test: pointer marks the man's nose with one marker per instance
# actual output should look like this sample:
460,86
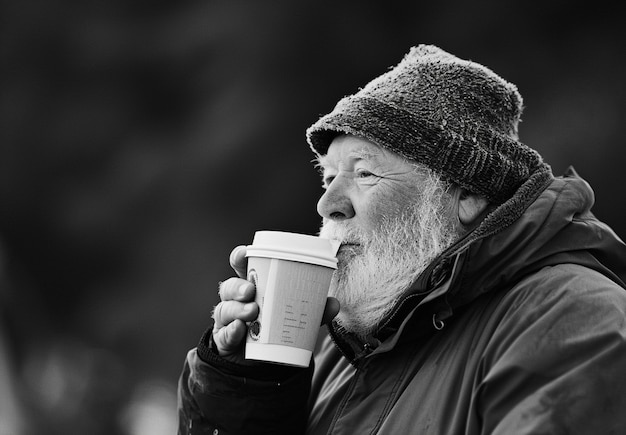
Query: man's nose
335,203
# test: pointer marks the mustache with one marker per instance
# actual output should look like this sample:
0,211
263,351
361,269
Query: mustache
342,233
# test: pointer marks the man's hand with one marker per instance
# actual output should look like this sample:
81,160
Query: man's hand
237,307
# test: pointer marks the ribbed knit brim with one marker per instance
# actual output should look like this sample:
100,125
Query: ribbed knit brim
455,116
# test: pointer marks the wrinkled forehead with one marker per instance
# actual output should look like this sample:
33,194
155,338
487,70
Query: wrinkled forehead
354,148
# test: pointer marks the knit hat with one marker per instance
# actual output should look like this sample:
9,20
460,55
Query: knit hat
457,117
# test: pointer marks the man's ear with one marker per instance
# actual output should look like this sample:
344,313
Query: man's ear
471,208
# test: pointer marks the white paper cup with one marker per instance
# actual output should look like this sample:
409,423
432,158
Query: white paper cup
292,274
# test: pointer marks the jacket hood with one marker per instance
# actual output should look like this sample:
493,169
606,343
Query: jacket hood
558,227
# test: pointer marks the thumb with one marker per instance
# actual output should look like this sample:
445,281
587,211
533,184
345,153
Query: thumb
239,262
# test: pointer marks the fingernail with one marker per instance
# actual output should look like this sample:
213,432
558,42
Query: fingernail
232,327
243,288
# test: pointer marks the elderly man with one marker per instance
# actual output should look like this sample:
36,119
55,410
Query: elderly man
477,293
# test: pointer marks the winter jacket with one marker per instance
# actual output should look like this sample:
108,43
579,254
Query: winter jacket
519,328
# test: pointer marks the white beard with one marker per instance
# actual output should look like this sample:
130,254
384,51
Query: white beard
372,275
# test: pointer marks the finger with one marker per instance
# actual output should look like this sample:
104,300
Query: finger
229,311
229,338
238,261
330,310
237,289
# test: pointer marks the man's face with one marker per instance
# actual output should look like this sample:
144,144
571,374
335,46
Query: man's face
364,184
391,218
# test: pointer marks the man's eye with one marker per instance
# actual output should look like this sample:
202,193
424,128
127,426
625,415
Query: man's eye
362,173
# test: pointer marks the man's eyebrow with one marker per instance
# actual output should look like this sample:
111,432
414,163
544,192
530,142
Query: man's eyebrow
359,154
319,163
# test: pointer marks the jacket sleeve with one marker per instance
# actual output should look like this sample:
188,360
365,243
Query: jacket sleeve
218,397
557,363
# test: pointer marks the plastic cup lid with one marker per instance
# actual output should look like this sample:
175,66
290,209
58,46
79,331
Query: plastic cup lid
295,247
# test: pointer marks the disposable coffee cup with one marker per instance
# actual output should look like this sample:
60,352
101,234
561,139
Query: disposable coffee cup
292,274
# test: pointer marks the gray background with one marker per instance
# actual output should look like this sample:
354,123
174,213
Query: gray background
140,141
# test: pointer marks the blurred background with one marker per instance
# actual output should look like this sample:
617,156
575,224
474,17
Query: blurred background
141,141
